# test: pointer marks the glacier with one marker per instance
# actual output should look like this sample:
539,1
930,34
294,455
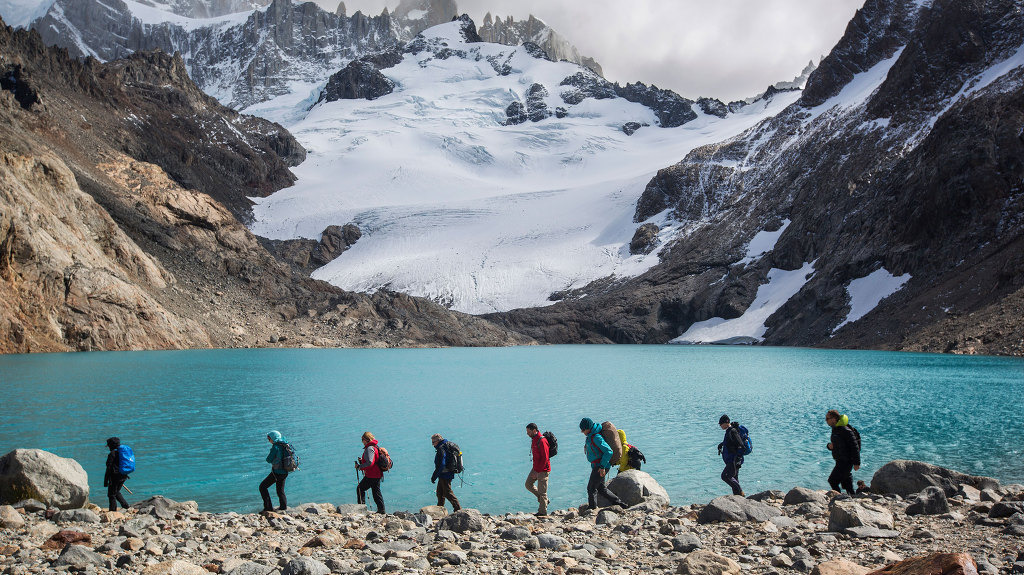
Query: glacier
460,208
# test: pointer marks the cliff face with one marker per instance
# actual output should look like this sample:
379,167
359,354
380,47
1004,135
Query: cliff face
117,230
511,32
903,157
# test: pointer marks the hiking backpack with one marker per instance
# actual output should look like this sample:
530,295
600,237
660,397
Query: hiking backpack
383,462
635,457
745,436
125,460
289,459
453,462
552,443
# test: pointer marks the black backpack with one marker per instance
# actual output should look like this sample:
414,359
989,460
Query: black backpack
635,458
453,463
552,443
289,459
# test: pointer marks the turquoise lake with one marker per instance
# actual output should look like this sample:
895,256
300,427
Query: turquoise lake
197,420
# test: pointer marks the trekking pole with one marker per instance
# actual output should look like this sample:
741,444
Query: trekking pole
128,490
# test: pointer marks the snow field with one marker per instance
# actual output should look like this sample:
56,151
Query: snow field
867,292
457,207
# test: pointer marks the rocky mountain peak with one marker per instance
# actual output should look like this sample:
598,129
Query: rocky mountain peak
340,10
876,31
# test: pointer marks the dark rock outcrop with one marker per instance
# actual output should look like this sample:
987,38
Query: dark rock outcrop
644,240
360,79
335,240
671,109
536,107
516,114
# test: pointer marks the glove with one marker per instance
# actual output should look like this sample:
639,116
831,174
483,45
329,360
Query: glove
433,480
719,448
105,484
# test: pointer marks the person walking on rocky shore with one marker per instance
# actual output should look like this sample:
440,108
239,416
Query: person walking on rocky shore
845,448
541,467
372,472
599,454
278,473
113,479
445,467
731,450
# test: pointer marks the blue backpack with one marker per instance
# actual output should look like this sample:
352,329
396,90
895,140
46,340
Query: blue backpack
125,460
745,436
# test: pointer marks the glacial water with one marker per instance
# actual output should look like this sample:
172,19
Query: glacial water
197,420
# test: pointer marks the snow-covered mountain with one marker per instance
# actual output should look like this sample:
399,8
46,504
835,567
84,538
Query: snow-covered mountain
884,208
241,51
490,177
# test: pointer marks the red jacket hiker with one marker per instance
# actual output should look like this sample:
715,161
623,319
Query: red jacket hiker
368,462
541,460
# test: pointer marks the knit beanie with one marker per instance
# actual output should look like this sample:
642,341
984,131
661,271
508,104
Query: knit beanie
723,419
274,436
586,423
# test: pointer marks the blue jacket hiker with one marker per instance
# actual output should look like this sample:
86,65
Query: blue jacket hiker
277,473
113,479
731,450
443,473
599,454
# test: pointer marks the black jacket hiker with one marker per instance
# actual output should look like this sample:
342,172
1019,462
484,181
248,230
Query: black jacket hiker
846,451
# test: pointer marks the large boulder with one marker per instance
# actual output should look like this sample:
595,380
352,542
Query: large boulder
463,520
799,495
839,567
38,474
703,562
931,501
634,487
844,514
79,557
934,564
305,566
905,478
76,516
736,508
163,508
10,518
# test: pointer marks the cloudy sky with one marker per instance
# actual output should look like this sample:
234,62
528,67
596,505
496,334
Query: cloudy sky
727,49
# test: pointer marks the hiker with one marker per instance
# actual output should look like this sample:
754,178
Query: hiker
731,450
277,473
541,468
372,473
443,472
113,479
599,454
862,487
845,448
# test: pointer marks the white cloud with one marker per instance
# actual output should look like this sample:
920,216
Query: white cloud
727,49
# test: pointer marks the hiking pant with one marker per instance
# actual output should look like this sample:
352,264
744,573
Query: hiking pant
373,484
444,491
596,485
114,491
842,476
731,475
541,491
274,478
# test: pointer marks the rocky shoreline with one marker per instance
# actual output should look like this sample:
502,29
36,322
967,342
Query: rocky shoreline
955,523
